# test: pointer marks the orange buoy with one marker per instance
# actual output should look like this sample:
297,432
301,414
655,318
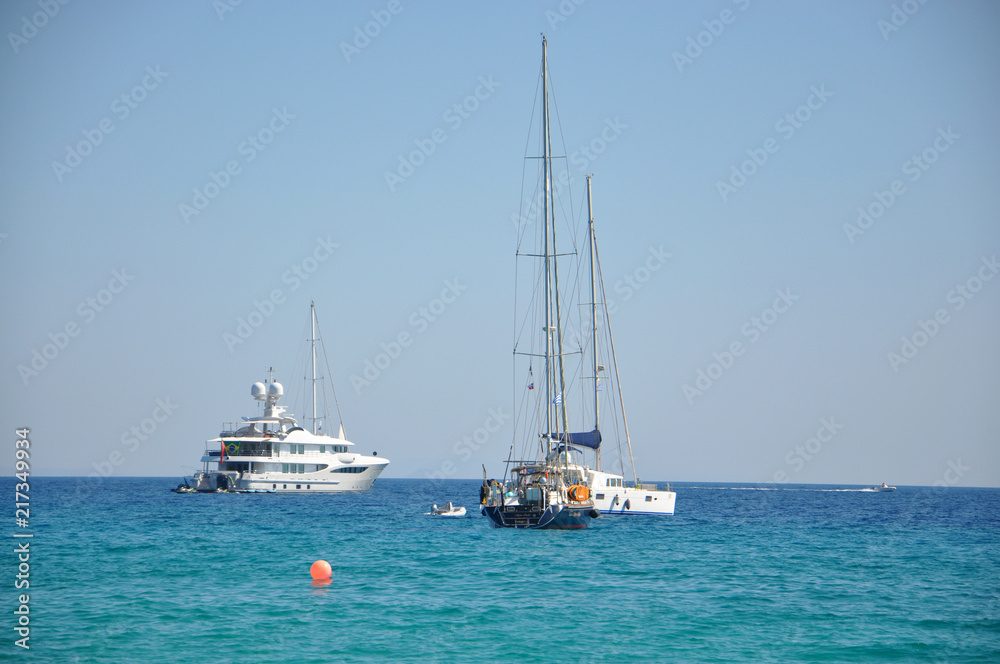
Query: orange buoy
320,570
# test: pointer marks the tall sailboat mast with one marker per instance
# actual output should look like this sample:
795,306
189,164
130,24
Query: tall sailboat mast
593,318
547,183
554,356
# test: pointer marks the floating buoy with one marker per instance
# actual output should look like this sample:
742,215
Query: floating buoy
321,570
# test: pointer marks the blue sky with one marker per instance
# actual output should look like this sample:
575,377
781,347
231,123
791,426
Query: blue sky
287,122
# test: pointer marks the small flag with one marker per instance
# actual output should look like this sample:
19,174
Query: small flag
531,379
600,386
558,399
320,430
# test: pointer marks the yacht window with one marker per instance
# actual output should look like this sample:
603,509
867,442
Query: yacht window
284,467
298,486
649,499
322,449
302,449
600,496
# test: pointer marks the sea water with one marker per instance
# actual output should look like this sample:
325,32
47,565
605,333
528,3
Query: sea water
123,570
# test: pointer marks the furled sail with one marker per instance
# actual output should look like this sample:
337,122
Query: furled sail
591,439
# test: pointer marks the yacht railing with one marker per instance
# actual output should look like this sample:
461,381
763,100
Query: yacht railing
241,453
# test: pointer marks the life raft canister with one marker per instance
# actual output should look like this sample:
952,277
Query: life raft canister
578,492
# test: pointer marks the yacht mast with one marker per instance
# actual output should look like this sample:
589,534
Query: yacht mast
312,340
549,407
550,229
593,317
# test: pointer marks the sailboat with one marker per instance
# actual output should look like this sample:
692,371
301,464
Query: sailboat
612,494
549,490
561,488
271,453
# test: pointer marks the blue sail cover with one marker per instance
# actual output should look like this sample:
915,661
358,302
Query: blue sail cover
591,439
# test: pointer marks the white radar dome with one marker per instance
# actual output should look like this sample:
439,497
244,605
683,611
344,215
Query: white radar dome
275,390
258,391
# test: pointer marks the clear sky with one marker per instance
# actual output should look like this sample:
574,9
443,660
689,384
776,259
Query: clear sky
823,177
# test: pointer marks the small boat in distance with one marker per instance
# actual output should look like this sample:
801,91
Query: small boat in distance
884,487
447,510
273,454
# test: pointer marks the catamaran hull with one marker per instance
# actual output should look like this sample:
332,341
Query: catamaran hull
628,500
555,517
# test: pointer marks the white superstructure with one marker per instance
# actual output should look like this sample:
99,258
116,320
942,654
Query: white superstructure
272,453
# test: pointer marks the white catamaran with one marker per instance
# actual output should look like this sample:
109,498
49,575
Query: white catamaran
612,494
273,454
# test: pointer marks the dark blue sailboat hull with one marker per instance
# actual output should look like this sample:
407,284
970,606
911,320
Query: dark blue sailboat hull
531,516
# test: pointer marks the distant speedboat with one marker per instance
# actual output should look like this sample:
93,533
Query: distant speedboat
447,510
884,487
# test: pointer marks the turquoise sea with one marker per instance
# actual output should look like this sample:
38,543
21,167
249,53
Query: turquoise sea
122,570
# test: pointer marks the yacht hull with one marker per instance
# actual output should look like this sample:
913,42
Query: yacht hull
553,517
628,500
213,481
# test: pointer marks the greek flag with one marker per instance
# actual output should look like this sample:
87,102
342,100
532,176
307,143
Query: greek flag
558,399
